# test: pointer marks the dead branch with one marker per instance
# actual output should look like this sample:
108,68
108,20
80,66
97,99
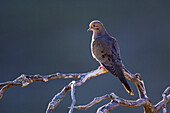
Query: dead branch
95,101
72,96
116,101
58,98
162,104
25,80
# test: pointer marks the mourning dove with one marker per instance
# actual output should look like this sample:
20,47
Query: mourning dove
106,51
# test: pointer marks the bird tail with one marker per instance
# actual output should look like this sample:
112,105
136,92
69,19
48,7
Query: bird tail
118,72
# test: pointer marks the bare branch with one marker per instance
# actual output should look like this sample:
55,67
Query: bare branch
95,101
3,89
59,97
115,102
166,99
143,100
123,102
25,80
72,96
148,107
136,78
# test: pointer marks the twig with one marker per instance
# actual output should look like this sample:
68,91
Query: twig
115,102
123,102
83,77
148,107
57,99
25,80
143,100
166,99
72,96
95,101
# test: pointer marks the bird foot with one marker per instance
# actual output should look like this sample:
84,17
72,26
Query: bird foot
102,67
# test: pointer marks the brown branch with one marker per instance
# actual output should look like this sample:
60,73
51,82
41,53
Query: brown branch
83,78
148,107
166,99
72,96
57,99
143,100
121,102
25,80
115,102
95,101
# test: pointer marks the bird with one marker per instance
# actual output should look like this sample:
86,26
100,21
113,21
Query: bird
105,50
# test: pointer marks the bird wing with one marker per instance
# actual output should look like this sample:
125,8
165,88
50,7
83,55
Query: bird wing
106,50
107,53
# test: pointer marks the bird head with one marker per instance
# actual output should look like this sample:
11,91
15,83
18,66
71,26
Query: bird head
97,27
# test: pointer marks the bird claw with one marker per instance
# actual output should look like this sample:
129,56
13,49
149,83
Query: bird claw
102,67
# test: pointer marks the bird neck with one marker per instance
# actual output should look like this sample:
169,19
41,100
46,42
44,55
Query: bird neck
99,33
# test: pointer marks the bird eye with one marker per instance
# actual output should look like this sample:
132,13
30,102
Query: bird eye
94,25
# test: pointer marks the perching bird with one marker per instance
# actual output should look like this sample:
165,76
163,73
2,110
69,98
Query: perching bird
106,51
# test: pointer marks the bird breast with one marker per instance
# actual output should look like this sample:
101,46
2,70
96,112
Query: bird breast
99,48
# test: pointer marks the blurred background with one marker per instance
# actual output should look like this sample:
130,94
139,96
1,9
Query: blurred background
45,37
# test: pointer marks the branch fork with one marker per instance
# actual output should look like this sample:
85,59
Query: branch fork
115,100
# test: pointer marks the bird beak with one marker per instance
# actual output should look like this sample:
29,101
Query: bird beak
89,29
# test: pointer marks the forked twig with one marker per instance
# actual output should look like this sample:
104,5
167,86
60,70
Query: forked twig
116,101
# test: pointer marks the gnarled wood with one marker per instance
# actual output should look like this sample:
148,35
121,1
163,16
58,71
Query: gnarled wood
116,101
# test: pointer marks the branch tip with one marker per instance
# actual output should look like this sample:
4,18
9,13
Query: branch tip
114,96
143,100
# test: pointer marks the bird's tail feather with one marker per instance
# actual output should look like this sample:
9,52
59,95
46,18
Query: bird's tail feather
117,71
